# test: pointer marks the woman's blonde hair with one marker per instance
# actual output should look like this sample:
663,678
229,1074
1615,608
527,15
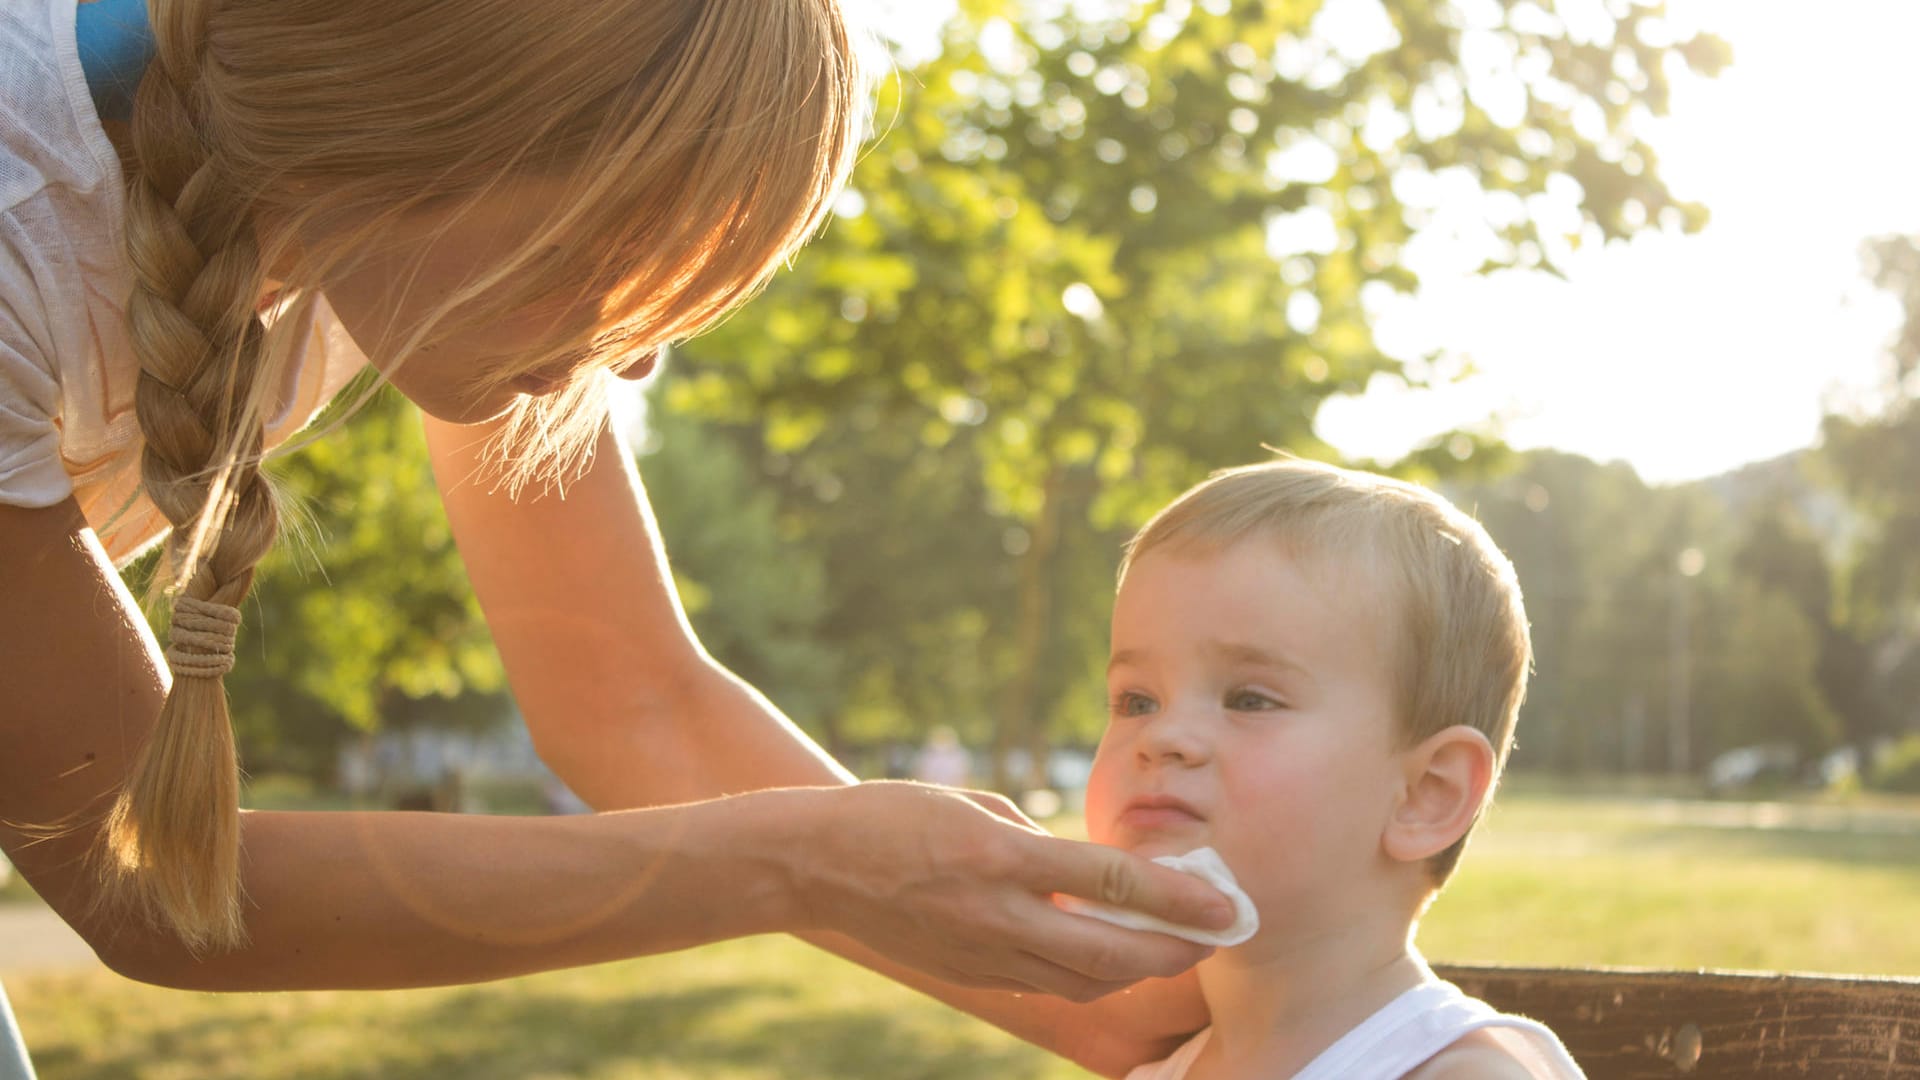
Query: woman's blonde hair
694,146
1463,646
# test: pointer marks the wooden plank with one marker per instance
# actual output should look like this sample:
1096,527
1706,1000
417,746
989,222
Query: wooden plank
1629,1024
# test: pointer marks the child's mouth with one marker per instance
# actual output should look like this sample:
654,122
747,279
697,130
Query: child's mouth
1154,813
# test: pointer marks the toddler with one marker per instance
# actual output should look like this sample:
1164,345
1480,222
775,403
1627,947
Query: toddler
1315,674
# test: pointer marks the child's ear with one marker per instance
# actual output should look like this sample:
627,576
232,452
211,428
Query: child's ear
1445,782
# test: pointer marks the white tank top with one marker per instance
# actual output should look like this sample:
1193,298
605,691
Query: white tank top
1406,1032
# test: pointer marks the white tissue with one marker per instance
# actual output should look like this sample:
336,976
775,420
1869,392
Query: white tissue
1203,863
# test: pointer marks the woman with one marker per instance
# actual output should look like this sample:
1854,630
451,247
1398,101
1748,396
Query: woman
497,204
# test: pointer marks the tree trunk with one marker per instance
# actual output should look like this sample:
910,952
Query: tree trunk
1016,723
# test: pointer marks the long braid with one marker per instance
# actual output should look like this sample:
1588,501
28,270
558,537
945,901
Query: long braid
173,835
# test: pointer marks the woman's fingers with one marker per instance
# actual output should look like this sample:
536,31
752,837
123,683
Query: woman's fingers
1107,957
960,885
1112,876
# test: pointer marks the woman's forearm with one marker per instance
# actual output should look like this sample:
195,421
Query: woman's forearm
1109,1036
718,736
582,606
386,900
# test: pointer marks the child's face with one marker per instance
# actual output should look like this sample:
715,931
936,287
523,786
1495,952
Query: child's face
1252,711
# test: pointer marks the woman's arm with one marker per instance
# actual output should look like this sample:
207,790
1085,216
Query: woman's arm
335,899
389,899
628,708
598,650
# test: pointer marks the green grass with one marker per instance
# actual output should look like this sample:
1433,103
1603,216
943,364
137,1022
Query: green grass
762,1008
1593,880
1586,879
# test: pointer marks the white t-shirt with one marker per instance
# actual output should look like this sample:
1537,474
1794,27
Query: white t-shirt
1394,1041
67,368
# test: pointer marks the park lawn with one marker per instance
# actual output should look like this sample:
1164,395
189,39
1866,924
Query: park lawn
1549,880
1595,880
760,1008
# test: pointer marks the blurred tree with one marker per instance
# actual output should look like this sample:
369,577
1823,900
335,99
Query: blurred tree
1097,252
1597,553
1782,553
1781,550
1893,263
1101,250
1759,682
754,592
1668,626
1875,460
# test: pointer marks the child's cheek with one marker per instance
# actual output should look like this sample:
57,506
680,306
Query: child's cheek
1101,801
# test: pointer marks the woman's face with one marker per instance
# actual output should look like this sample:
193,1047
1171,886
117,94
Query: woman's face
422,262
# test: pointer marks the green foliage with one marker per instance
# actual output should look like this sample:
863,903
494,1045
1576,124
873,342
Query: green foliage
1898,769
1639,664
1760,683
1873,460
1098,252
1595,550
755,596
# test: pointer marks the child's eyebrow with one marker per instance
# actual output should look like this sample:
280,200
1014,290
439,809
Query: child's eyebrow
1254,654
1238,652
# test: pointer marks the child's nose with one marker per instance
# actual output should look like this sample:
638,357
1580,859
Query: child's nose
1176,736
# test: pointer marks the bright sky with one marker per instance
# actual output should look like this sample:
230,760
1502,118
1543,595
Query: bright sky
1749,329
1746,331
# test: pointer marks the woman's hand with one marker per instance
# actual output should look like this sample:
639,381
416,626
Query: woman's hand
958,884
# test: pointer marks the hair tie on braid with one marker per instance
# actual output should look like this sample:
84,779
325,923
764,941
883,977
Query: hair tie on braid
200,644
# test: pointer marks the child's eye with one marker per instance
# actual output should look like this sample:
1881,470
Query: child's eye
1251,701
1131,704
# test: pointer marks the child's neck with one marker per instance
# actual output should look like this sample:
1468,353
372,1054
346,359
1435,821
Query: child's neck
1277,1004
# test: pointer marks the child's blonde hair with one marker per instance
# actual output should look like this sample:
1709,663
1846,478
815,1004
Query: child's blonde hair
1463,647
695,145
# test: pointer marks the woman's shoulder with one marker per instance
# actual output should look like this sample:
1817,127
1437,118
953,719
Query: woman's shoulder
1494,1053
49,135
61,199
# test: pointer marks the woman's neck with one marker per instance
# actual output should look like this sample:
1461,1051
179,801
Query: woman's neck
1277,1004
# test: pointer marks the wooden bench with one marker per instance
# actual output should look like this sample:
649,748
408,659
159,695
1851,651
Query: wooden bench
1622,1023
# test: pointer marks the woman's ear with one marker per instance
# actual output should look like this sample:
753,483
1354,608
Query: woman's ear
1445,781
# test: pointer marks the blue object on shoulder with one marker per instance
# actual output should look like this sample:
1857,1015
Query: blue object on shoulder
116,44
